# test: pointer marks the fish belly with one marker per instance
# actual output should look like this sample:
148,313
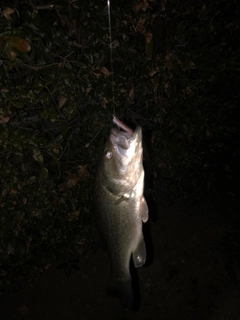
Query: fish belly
120,224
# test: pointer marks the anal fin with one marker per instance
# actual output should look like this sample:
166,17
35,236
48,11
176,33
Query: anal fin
139,254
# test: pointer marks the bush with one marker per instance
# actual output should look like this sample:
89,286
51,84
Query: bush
174,72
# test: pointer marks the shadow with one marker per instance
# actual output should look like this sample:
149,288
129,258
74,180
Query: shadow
148,243
135,286
152,207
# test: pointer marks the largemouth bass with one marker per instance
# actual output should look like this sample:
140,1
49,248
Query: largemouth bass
120,208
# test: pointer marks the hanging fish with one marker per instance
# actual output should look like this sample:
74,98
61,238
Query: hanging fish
120,207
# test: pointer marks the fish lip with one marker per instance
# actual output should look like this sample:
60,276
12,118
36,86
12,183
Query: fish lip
123,165
126,144
127,147
121,125
121,140
124,138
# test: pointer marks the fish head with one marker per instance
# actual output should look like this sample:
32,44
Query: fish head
122,161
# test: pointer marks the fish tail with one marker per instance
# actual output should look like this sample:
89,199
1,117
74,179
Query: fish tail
122,290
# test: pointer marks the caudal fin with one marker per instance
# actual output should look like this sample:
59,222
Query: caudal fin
123,291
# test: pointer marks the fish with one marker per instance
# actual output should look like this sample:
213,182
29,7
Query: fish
121,209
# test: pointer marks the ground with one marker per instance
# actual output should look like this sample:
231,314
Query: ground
193,274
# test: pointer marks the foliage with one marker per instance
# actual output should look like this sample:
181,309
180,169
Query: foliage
175,72
197,96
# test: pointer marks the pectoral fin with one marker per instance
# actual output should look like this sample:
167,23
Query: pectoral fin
139,254
143,210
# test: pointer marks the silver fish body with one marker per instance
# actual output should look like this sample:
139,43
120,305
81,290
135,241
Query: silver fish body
120,209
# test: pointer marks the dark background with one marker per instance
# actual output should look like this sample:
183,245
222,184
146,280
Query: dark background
176,74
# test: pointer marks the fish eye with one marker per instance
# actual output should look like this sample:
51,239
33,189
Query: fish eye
108,154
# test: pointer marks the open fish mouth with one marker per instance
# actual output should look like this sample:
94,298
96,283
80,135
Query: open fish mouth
121,139
126,138
126,154
123,126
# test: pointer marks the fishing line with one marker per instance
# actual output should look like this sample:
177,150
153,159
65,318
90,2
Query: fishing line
111,51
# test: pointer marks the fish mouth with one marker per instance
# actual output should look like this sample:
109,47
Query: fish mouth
121,139
126,145
122,125
125,138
